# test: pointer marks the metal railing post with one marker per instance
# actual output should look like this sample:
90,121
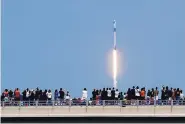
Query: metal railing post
3,104
137,105
120,104
86,105
70,105
171,106
19,102
103,104
36,103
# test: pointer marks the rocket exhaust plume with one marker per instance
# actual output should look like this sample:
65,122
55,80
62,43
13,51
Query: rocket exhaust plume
114,58
114,68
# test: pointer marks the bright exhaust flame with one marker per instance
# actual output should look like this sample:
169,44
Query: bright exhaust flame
115,68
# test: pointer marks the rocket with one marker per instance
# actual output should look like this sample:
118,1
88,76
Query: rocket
114,25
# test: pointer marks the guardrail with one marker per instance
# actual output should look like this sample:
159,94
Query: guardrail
69,103
68,108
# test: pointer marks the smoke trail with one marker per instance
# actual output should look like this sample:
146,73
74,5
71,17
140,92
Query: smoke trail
115,68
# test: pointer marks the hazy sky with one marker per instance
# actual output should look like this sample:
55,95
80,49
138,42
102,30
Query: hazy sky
66,43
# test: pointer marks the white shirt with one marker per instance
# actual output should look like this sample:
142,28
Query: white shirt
84,94
124,96
108,93
116,94
181,96
49,95
27,93
137,92
67,96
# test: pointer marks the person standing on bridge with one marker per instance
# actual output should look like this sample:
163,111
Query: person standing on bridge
49,97
62,94
84,94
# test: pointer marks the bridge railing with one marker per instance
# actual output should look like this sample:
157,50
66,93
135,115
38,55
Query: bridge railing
102,103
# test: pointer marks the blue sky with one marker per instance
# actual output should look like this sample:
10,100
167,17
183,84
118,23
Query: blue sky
58,43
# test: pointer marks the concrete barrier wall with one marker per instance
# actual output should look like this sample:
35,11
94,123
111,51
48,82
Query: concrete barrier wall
63,111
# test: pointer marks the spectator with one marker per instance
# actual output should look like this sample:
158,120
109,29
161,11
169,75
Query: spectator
97,97
27,94
113,94
56,95
2,97
103,94
6,95
163,93
62,94
94,94
174,94
129,94
133,93
84,94
137,93
49,96
17,95
142,94
109,94
97,93
148,96
32,96
67,96
24,95
10,93
156,93
170,93
45,95
116,94
37,94
181,95
41,95
178,95
152,94
121,96
167,93
106,94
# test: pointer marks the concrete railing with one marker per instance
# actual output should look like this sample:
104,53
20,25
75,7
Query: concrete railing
106,108
62,111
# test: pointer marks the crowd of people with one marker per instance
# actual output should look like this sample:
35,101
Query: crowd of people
98,95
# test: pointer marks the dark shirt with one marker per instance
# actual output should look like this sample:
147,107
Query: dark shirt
129,95
10,94
177,93
170,93
163,95
106,97
94,95
2,97
37,94
113,94
152,93
61,94
149,93
24,95
133,92
32,97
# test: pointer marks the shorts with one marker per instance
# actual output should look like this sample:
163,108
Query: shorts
137,97
142,98
156,97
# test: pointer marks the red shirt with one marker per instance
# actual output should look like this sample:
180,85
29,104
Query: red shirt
17,94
